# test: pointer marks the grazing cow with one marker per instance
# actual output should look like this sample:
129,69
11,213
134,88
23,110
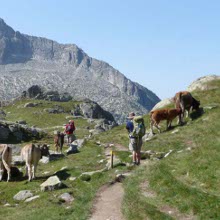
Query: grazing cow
163,114
186,102
32,154
5,160
59,141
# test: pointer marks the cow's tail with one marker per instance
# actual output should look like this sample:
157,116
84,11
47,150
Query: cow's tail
7,157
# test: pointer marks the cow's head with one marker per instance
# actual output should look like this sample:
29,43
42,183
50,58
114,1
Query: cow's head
45,150
195,104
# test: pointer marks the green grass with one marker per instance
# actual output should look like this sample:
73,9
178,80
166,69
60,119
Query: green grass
187,180
48,205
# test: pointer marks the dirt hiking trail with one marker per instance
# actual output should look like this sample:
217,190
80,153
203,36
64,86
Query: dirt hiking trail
108,203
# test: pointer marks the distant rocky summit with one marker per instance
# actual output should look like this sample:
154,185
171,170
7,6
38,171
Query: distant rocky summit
201,83
26,61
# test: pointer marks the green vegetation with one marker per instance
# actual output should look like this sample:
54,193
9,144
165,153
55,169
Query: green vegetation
184,184
188,179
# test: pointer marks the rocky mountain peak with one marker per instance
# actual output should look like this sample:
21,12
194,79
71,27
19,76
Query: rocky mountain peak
28,60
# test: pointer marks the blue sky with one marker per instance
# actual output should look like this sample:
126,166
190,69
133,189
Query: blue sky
163,45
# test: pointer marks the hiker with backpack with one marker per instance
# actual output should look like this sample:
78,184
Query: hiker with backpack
69,129
136,129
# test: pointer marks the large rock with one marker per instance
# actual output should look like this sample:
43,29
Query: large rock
163,104
22,195
4,133
91,109
30,105
66,68
52,183
17,160
201,83
66,197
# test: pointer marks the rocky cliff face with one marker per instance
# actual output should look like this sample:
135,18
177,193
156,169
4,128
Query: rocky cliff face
27,60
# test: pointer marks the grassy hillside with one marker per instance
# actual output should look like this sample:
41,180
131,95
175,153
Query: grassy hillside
48,205
184,185
187,182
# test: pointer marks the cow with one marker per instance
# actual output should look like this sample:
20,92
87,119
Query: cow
186,102
59,141
5,160
163,114
32,153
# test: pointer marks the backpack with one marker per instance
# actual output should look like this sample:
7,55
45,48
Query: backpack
139,127
70,128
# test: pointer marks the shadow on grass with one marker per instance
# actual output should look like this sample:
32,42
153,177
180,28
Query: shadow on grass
62,174
196,114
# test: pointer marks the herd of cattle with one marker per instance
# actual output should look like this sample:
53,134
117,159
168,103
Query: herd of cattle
184,101
32,153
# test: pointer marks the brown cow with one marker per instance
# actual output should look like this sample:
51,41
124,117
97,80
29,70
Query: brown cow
32,154
163,114
5,160
59,141
186,102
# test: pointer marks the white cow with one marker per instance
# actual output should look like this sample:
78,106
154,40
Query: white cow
32,154
5,160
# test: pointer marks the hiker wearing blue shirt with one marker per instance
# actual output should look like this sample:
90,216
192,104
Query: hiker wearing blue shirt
134,143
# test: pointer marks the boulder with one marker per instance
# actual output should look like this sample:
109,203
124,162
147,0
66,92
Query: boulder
33,91
4,133
66,197
91,109
16,149
73,148
202,83
116,162
163,104
44,160
52,183
79,143
17,160
22,195
30,105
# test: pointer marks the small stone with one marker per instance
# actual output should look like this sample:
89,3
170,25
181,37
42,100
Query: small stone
72,178
7,205
175,131
32,198
22,195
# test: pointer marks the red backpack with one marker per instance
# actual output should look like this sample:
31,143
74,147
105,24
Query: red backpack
70,128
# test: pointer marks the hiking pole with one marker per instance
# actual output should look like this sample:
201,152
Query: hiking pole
112,157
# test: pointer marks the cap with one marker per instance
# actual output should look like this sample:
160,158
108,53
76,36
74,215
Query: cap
131,115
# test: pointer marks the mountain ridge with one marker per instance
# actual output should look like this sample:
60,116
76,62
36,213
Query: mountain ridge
28,60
